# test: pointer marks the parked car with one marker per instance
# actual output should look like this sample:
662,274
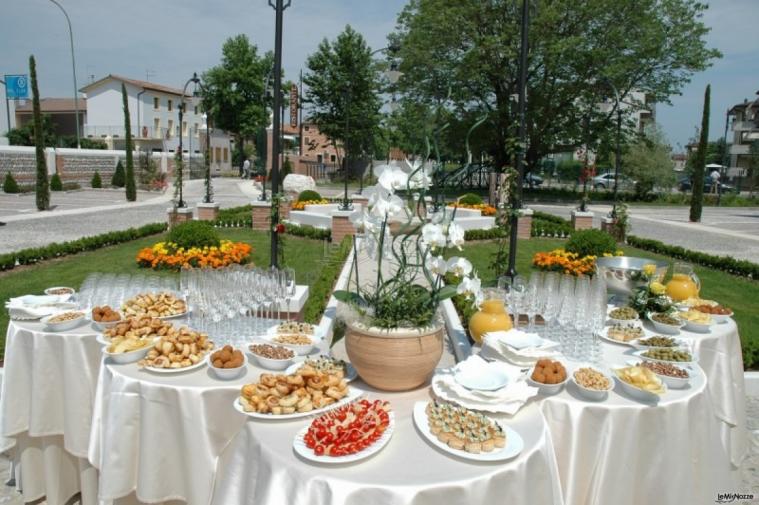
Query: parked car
531,180
606,181
685,184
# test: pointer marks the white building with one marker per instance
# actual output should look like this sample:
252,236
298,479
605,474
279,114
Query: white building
154,118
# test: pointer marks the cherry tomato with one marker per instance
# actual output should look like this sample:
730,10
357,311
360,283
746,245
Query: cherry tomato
319,450
355,435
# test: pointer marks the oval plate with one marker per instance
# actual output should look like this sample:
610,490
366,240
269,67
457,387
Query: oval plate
353,394
350,372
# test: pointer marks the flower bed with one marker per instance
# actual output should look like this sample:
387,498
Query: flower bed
487,210
167,255
301,205
560,260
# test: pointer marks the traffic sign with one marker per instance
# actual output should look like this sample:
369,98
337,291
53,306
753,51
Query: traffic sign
16,87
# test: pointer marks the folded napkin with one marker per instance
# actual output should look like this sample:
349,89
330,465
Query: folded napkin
507,400
519,339
500,344
35,307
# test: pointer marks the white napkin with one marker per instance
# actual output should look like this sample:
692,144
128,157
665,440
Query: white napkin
507,400
519,339
34,307
527,356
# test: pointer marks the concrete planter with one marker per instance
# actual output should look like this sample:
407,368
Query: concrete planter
524,223
208,211
582,220
178,215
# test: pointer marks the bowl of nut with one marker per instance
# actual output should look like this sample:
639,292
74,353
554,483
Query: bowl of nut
63,321
592,384
697,321
623,316
673,376
227,363
666,323
548,376
272,357
62,291
105,317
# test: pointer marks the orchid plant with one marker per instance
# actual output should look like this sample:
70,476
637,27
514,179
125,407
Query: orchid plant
409,292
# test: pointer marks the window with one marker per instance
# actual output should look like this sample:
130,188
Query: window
226,155
156,103
169,105
332,158
171,127
196,110
307,141
195,128
305,127
217,157
157,127
184,128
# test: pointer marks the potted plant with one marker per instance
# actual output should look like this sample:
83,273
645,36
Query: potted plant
394,334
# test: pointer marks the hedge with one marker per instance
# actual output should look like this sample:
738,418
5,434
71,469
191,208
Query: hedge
485,234
57,250
308,231
727,264
321,290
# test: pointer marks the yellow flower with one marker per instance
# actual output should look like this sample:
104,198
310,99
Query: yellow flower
607,255
619,252
649,269
656,288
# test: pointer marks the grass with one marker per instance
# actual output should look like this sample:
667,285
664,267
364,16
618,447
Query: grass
303,255
738,293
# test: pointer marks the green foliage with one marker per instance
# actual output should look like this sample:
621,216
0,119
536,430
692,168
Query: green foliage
130,185
474,67
548,225
232,213
309,195
42,188
24,135
194,234
148,171
591,242
649,162
699,163
55,183
321,290
408,306
96,182
306,231
287,168
569,170
57,250
119,176
470,199
485,234
10,185
342,86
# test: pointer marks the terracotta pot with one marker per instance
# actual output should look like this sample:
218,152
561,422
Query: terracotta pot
491,317
394,360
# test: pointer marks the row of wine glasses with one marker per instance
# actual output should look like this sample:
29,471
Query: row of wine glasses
114,289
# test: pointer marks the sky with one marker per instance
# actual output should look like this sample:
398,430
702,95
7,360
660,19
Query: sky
167,40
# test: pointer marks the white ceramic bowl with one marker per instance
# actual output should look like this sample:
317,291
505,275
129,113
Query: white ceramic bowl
127,357
299,350
639,355
669,329
103,325
637,345
595,395
721,318
699,327
64,325
548,389
640,394
271,364
676,382
64,296
227,373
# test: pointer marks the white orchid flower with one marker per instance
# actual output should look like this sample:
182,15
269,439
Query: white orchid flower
433,236
392,179
436,264
461,267
420,179
455,235
412,165
469,287
387,206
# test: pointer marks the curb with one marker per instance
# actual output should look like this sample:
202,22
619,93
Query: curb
751,380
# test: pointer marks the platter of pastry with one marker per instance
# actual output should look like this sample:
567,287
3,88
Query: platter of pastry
301,394
179,350
622,334
465,433
163,305
326,364
136,327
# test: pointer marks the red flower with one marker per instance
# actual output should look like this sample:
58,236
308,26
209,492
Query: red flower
280,228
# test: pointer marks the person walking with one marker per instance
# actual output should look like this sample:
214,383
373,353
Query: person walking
714,176
246,169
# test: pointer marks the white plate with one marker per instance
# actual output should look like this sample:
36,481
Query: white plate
197,365
299,445
489,377
300,350
350,372
175,316
353,393
514,442
639,355
605,336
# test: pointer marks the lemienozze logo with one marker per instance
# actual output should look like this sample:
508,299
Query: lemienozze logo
732,497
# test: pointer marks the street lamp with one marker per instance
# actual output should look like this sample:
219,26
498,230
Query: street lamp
617,149
196,80
209,190
73,71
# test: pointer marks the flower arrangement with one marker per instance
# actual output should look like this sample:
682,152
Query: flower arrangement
651,296
408,296
301,205
560,260
168,255
487,210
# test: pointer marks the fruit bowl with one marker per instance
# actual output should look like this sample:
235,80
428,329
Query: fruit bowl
622,274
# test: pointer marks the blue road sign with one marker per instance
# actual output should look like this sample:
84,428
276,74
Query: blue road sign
16,87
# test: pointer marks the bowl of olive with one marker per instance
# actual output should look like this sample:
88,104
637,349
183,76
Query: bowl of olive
666,323
666,355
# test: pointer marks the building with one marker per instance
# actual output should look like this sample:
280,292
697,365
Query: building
679,160
154,118
745,129
62,114
309,151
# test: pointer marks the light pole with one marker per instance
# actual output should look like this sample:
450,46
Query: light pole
73,71
279,7
208,198
7,106
516,203
617,149
196,80
724,158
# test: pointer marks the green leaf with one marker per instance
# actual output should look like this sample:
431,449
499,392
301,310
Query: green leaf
446,291
349,297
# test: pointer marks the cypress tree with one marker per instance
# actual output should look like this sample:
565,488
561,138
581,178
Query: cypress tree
699,165
42,187
56,184
97,182
131,185
119,178
9,184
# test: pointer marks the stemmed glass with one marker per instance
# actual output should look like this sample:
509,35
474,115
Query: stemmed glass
518,289
532,300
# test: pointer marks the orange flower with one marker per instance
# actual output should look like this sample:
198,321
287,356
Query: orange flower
173,258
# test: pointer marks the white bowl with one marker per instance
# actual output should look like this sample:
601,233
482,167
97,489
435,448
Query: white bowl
699,327
595,395
103,325
127,357
640,394
64,296
299,350
669,329
271,364
637,345
64,325
676,382
227,373
547,389
721,318
639,355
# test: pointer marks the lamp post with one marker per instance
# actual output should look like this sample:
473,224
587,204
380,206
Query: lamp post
724,158
73,71
196,80
516,203
279,7
208,198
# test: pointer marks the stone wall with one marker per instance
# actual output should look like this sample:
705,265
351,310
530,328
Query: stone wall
19,161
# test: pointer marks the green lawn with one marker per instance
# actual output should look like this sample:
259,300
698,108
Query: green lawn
738,293
302,254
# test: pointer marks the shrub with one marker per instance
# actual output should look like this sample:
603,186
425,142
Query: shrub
96,181
485,234
194,234
10,185
309,194
321,290
307,231
119,176
591,243
470,199
55,183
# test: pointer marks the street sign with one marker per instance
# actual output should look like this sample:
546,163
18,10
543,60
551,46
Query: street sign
293,106
16,87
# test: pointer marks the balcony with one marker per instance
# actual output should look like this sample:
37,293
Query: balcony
739,149
745,126
143,133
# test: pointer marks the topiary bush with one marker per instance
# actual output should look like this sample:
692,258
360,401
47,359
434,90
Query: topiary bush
55,183
591,242
194,234
97,182
309,195
10,185
470,199
119,176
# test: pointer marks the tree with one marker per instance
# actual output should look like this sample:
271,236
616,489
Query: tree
56,184
699,164
96,182
42,187
24,135
716,152
343,90
10,185
118,179
130,185
234,93
649,162
575,47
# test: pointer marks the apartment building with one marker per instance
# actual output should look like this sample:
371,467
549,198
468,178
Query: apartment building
62,112
745,130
